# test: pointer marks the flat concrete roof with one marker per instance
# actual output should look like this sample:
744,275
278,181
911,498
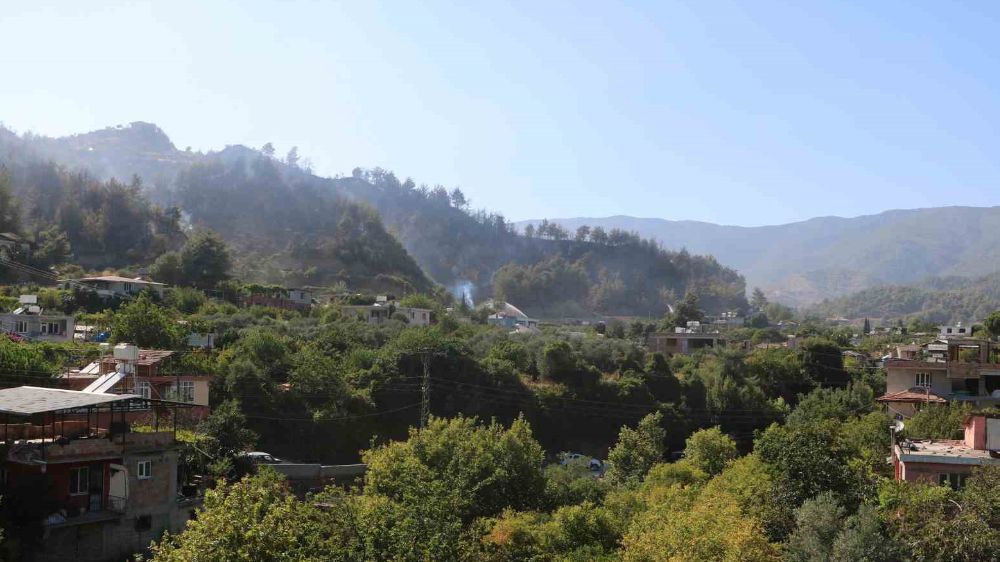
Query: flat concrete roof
28,400
944,452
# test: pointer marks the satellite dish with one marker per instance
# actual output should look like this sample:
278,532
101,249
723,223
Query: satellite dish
898,426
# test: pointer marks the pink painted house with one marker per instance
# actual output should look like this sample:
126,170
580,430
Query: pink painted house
949,462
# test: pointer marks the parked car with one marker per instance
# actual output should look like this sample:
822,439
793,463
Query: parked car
260,457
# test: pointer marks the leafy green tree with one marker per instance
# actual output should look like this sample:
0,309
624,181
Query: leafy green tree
599,236
205,260
992,324
53,247
252,520
571,484
687,310
319,379
637,450
145,324
823,362
938,421
577,532
934,523
710,450
225,437
817,524
24,365
292,158
759,320
680,525
660,379
458,199
752,485
482,469
558,362
778,372
681,473
186,299
582,233
865,539
10,209
833,403
758,301
168,269
808,460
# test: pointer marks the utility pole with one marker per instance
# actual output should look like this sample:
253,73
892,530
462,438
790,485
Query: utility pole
425,392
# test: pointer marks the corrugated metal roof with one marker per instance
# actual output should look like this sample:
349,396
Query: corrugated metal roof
28,400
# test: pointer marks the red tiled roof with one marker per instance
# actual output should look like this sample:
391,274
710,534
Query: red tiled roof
912,395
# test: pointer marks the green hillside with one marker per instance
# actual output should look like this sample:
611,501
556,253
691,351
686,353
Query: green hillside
294,227
805,262
937,299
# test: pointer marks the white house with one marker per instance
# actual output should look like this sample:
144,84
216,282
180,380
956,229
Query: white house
108,286
381,312
31,322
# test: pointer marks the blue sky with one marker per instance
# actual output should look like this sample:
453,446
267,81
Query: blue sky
734,112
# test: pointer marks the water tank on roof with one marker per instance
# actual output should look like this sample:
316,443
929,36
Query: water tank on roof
126,352
28,299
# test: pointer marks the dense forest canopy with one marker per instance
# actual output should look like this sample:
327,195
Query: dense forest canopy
937,300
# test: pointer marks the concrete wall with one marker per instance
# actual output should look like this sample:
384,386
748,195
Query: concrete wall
151,509
897,380
929,473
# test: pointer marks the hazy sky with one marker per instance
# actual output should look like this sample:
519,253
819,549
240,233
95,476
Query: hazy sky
741,113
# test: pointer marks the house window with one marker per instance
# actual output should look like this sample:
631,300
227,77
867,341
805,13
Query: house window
144,470
183,391
50,328
21,327
79,481
144,389
955,481
924,380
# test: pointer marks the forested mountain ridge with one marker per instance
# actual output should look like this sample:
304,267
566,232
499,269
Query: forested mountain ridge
936,299
288,220
107,224
806,262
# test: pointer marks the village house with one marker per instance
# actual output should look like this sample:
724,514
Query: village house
74,470
112,286
11,245
684,341
948,369
130,370
949,462
385,309
510,317
278,297
730,319
30,321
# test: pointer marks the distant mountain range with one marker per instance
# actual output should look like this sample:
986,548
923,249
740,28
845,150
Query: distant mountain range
805,262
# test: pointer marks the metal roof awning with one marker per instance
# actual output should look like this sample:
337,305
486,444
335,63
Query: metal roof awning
29,400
